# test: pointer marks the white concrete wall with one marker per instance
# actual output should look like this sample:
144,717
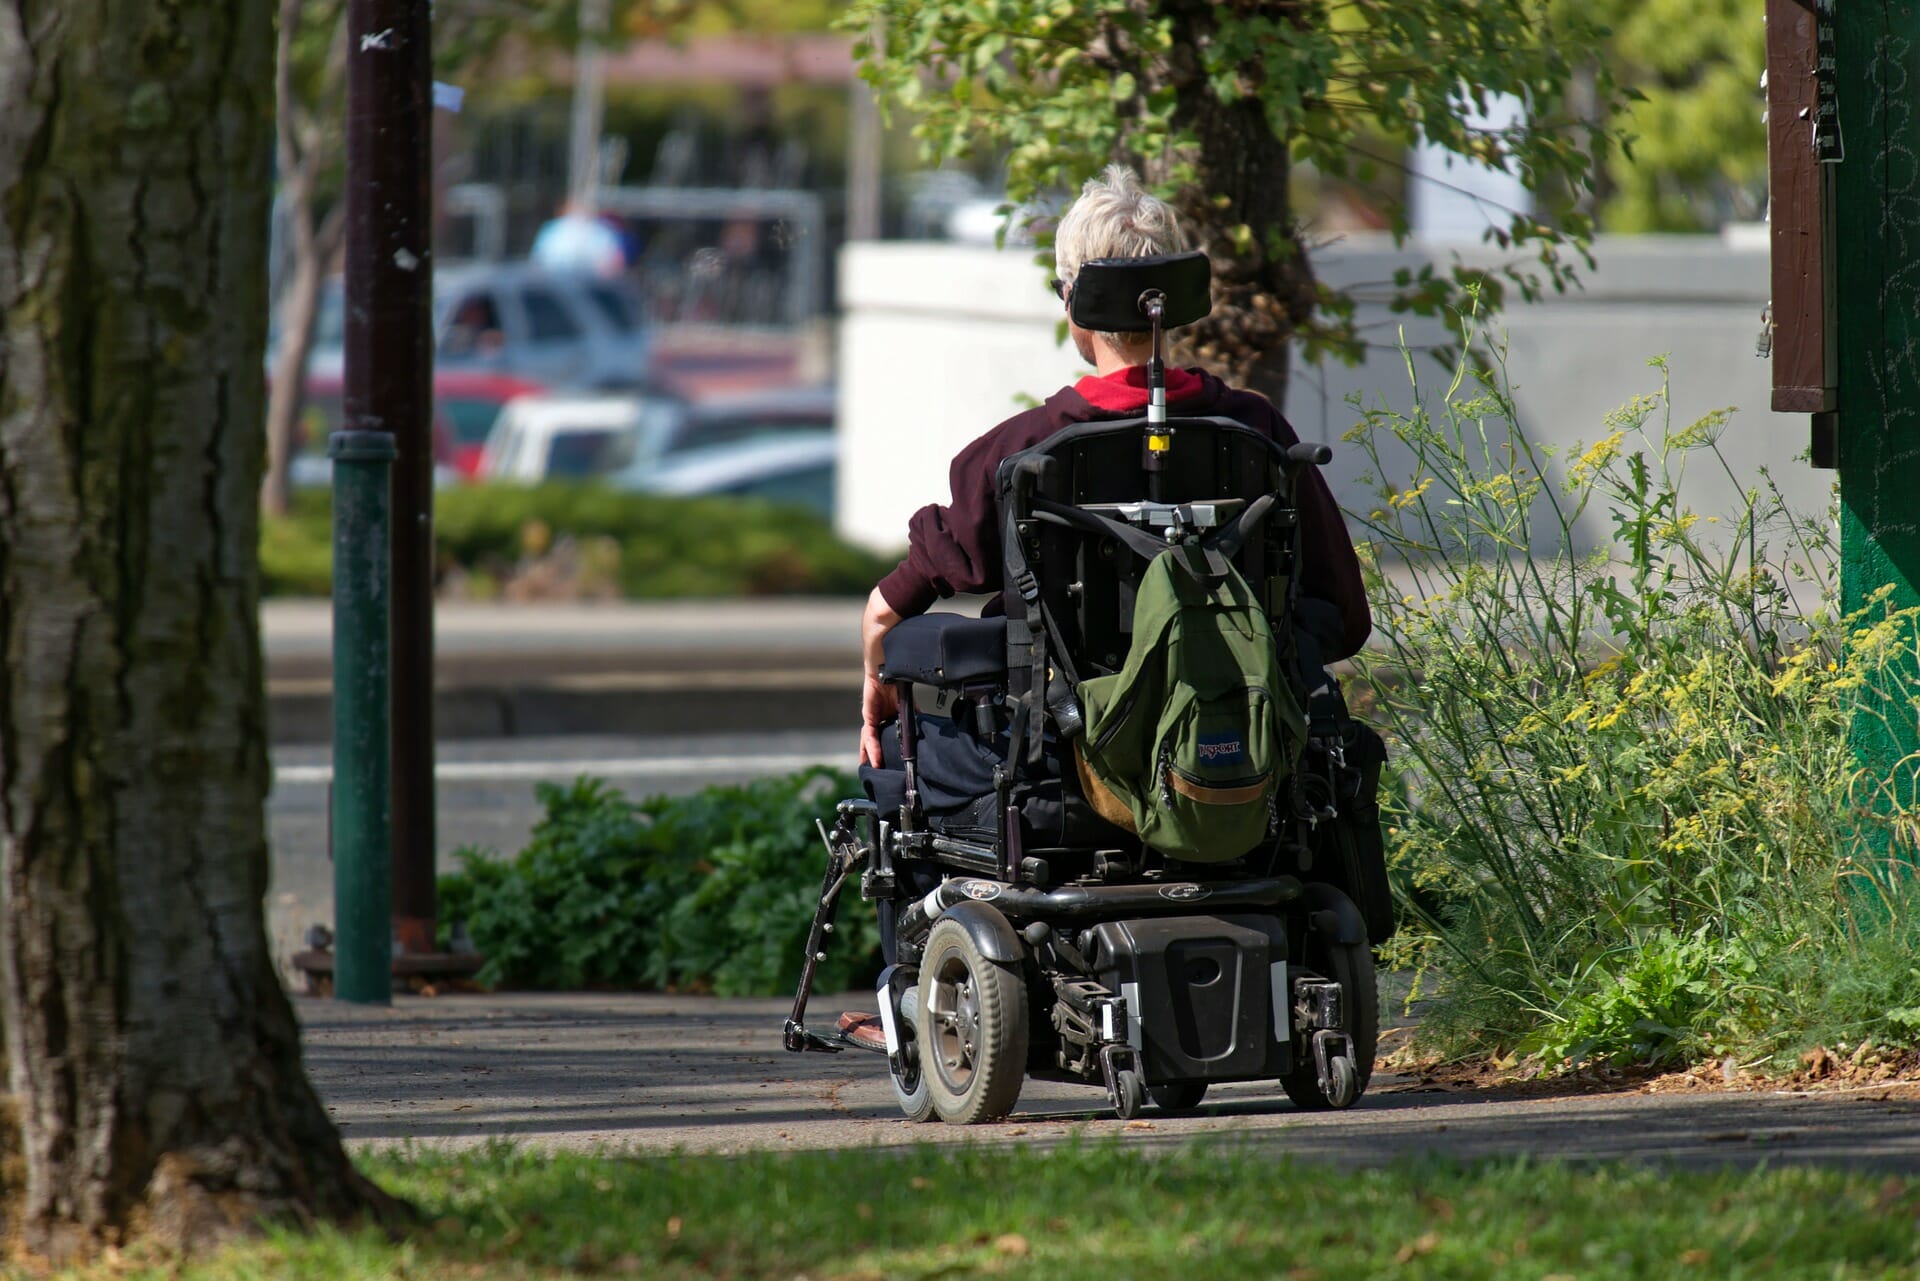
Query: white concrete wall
939,341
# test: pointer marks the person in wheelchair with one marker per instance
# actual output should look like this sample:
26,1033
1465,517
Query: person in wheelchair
1019,798
954,548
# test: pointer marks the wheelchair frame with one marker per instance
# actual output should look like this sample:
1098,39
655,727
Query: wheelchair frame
1099,937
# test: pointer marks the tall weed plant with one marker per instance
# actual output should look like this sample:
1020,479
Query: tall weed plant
1623,811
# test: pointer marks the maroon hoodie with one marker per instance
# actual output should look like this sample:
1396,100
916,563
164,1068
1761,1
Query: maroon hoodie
955,547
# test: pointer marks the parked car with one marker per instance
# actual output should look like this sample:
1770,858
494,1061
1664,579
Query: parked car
470,403
757,415
796,468
627,437
517,320
322,414
576,437
729,420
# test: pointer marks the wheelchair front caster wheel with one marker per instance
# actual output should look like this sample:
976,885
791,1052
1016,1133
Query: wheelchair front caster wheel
1344,1088
910,1085
971,1027
1179,1096
1349,1070
1130,1094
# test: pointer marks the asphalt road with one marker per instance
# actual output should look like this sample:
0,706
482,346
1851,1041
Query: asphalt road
486,797
658,1073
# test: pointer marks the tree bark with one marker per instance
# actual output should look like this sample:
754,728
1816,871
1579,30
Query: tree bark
153,1053
1264,289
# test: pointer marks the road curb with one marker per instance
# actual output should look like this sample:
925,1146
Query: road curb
301,712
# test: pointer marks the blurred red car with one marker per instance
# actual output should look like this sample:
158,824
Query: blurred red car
467,403
464,407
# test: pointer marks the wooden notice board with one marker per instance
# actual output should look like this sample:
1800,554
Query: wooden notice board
1803,143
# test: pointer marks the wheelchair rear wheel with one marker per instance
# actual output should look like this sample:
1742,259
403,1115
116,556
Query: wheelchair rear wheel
972,1028
1351,966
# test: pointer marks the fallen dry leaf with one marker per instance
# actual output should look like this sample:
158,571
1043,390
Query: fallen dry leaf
1696,1257
673,1228
1425,1244
1013,1245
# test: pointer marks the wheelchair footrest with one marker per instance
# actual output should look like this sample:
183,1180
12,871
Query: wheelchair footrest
798,1038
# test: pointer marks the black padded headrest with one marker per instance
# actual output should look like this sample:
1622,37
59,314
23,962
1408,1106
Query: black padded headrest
1107,292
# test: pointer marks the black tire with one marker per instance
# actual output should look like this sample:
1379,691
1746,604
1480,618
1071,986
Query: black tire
909,1082
1178,1096
1133,1094
1351,966
910,1087
972,1029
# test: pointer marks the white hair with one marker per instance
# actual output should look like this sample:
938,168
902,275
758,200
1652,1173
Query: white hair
1115,217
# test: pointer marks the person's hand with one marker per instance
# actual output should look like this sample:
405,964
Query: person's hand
879,703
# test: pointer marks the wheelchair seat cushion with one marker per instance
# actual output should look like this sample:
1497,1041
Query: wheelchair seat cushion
946,649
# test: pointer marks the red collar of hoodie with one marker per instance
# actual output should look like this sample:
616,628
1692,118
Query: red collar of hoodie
1125,390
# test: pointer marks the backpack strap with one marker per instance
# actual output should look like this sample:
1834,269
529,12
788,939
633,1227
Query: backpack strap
1232,536
1202,561
1138,541
1053,679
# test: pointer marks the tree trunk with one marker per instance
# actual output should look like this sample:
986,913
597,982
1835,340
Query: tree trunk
286,393
313,253
154,1056
1263,287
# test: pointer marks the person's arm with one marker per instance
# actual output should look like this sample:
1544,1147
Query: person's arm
879,702
1329,568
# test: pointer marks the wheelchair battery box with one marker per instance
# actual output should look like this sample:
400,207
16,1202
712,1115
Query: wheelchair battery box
1206,996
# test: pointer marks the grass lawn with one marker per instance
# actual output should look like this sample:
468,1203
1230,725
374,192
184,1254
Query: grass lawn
1100,1212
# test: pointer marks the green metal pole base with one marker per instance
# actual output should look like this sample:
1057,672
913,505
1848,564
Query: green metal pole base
362,780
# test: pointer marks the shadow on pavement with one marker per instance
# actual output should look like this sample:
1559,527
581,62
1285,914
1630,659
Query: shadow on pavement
653,1073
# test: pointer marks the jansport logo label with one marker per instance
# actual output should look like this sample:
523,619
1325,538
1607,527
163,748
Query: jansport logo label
1222,749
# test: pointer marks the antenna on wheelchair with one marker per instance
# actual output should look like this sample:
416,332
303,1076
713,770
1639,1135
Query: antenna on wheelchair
1159,436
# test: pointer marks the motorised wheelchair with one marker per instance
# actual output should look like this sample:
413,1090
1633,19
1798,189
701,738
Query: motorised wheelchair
1028,935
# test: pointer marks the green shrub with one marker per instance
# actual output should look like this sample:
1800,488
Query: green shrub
1623,808
659,546
296,550
711,892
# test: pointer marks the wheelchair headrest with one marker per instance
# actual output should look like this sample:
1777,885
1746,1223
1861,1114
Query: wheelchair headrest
1107,292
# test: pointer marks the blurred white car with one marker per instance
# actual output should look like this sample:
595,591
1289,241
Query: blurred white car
794,467
627,438
564,437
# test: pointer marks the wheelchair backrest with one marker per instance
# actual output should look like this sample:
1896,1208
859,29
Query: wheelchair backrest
1214,468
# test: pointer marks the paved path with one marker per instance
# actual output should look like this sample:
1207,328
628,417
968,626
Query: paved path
657,1073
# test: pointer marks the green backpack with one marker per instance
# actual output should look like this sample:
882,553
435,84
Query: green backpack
1187,742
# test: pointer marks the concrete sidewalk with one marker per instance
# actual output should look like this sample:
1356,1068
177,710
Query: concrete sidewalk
600,668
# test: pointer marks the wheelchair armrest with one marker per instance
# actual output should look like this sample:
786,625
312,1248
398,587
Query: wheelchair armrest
945,650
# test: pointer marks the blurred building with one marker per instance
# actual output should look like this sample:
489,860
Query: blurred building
940,342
